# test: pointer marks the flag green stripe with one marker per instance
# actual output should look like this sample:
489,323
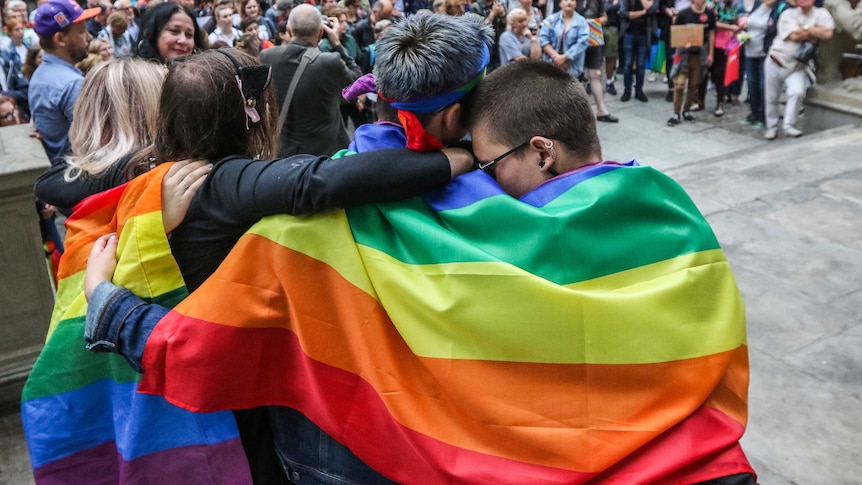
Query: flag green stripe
65,364
60,370
650,314
591,225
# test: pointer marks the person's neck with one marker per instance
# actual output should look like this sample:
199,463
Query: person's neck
226,29
62,55
700,9
314,41
568,16
575,163
806,10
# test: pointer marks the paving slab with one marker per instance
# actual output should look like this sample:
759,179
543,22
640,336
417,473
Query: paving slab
14,460
835,359
808,265
805,430
781,319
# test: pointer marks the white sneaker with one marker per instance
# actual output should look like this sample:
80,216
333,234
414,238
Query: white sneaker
770,133
793,131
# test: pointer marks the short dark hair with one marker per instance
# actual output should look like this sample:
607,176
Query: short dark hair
202,115
247,21
535,98
155,20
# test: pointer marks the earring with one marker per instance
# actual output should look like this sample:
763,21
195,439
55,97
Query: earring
541,164
549,145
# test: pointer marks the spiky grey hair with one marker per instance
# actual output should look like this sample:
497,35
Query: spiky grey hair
424,55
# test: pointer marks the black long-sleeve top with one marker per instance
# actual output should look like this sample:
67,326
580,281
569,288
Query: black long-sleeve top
238,192
51,187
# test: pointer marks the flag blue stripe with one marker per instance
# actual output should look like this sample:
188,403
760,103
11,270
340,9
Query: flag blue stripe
475,186
64,424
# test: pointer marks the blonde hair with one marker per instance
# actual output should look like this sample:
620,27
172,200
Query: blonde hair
115,115
88,63
510,17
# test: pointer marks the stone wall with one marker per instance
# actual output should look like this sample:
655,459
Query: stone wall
26,293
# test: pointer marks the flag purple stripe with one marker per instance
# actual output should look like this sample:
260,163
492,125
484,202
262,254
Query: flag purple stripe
187,465
82,419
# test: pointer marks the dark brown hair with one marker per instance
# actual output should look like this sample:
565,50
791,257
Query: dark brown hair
202,113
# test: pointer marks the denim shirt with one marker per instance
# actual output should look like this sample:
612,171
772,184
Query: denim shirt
54,89
120,322
575,43
16,85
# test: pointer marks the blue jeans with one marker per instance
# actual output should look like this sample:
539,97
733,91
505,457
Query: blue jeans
634,54
754,72
312,457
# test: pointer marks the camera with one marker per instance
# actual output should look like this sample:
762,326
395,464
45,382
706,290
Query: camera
326,21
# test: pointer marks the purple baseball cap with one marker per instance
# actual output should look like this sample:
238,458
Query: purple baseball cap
56,15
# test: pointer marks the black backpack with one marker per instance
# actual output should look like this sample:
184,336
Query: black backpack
772,26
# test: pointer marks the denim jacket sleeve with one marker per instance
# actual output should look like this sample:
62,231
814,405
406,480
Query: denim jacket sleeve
119,322
582,34
547,35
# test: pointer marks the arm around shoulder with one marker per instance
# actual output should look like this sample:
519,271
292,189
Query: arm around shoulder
244,191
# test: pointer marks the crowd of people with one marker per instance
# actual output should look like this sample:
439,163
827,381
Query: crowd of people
246,102
624,35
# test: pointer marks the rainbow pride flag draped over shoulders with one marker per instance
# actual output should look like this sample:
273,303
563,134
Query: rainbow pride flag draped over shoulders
83,418
590,333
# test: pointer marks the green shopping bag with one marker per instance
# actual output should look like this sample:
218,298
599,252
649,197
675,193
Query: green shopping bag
660,59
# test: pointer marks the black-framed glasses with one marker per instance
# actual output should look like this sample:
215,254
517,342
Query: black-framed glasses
489,167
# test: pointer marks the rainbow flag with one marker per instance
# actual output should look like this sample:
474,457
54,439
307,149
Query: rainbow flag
591,332
83,418
597,36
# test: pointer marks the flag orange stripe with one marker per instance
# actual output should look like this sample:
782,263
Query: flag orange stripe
92,217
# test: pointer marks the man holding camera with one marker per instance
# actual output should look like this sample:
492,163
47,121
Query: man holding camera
799,29
312,122
494,13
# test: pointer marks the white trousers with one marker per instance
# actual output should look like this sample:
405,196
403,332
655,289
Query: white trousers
777,79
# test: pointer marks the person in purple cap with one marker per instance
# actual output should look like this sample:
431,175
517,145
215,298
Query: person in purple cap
55,85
